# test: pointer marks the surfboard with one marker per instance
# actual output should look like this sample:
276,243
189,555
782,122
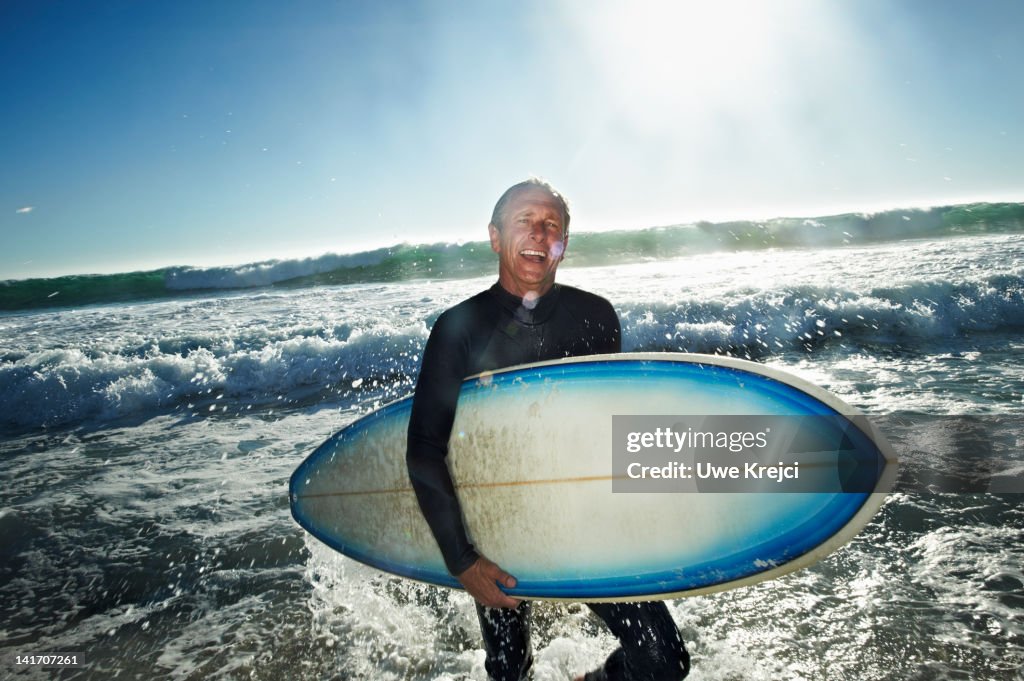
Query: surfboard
613,477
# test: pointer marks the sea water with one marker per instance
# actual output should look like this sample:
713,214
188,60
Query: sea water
147,444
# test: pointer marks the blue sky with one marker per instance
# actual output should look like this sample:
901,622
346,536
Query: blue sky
143,134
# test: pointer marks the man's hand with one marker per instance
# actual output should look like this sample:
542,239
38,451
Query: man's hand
481,580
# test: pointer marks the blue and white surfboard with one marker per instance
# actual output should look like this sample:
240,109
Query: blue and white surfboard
542,469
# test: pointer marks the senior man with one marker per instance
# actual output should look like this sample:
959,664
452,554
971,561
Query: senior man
524,317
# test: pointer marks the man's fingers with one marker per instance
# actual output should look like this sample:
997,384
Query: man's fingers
503,578
487,593
494,572
494,575
502,600
481,581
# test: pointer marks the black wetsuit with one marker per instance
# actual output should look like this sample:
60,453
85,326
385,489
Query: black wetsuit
490,331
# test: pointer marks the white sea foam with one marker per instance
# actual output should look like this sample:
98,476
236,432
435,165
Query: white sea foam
268,350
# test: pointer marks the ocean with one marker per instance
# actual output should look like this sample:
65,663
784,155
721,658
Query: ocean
149,422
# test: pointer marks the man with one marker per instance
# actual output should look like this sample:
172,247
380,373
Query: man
525,317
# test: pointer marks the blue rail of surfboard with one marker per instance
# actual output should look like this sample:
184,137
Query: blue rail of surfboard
784,400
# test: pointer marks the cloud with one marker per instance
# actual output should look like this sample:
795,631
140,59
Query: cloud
25,209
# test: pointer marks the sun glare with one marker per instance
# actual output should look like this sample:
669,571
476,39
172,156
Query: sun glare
663,59
729,107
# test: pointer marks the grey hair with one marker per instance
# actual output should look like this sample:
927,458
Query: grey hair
531,183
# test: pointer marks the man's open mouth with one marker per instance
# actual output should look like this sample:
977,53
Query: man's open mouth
532,255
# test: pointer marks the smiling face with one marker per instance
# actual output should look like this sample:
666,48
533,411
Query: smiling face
530,242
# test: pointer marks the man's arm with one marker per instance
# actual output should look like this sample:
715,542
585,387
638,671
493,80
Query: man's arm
445,365
430,426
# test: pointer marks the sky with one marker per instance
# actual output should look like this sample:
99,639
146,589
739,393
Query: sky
136,135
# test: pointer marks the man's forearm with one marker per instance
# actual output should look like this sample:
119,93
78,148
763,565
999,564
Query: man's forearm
435,491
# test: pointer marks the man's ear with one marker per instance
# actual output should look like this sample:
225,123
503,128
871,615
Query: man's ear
495,238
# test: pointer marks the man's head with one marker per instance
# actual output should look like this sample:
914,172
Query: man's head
529,231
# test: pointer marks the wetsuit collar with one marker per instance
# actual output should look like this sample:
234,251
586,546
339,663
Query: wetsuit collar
514,304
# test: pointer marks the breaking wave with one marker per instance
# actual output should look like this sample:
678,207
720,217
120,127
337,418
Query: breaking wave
232,370
461,260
